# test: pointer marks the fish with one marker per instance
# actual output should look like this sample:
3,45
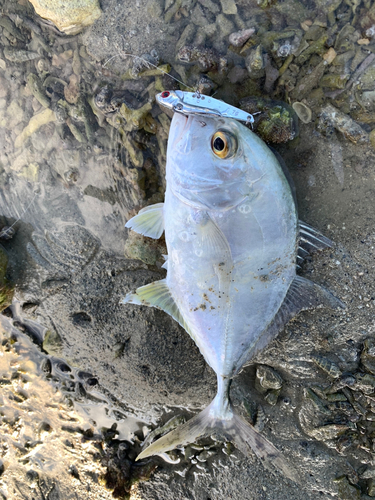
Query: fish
234,243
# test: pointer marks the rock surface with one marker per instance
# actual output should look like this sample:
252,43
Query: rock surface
70,16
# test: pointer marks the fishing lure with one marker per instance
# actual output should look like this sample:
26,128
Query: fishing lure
189,103
193,102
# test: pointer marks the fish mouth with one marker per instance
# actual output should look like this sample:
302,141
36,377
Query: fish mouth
207,198
186,179
180,122
191,182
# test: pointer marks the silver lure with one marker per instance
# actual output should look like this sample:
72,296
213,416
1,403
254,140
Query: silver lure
195,103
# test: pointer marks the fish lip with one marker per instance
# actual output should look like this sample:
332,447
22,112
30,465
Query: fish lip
196,203
193,183
182,128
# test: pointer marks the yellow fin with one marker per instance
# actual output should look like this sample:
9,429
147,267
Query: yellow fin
149,221
157,294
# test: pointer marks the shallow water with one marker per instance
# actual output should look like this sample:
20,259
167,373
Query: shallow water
83,148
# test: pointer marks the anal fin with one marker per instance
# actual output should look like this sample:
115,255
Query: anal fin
302,295
149,221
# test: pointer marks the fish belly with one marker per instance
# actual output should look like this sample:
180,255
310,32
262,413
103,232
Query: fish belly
229,271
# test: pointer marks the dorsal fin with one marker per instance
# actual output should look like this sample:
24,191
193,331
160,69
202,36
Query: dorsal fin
149,221
157,294
310,240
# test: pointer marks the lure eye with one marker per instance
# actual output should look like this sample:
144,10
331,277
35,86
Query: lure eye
223,144
165,94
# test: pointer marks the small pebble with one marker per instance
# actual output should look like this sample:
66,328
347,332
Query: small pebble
329,55
229,6
363,41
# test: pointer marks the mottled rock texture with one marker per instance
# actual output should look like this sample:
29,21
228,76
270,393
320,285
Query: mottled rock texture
70,16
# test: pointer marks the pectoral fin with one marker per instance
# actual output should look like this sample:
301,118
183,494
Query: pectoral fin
211,241
157,294
149,221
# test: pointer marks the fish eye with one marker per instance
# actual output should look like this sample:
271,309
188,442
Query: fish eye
165,94
223,144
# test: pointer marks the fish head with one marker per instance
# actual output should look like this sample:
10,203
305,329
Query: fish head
214,162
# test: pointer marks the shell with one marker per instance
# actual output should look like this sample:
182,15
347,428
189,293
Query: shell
328,366
268,378
19,55
255,63
365,383
272,396
207,59
7,233
316,401
303,112
331,116
239,38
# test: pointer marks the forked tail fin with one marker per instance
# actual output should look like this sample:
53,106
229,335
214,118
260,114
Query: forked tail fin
233,428
246,438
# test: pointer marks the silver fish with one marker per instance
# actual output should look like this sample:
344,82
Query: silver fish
233,240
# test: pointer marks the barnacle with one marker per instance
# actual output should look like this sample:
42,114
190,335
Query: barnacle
275,121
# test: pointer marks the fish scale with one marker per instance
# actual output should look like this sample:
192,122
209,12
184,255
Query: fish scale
232,235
